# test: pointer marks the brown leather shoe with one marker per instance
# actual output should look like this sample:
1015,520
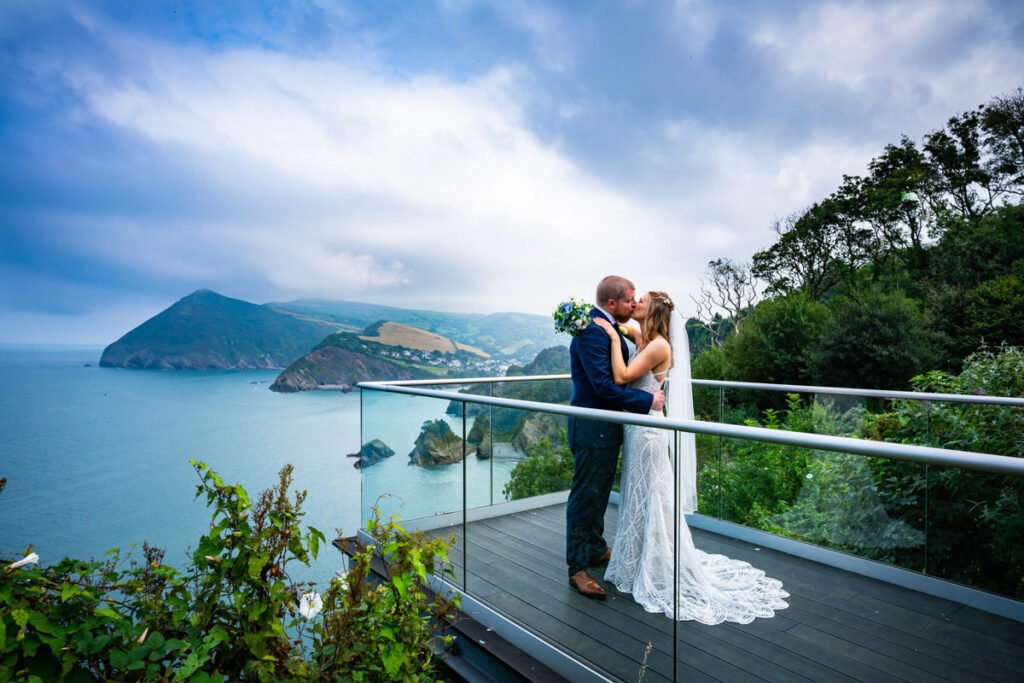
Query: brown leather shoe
583,582
602,559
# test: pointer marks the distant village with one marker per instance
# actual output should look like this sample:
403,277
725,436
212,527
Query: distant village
461,363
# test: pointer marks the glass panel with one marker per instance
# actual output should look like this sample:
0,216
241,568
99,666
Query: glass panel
531,453
739,405
870,507
831,415
976,530
709,460
516,560
415,450
707,402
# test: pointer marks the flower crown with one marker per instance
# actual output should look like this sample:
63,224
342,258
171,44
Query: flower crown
665,300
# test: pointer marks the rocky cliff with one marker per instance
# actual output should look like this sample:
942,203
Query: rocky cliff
335,367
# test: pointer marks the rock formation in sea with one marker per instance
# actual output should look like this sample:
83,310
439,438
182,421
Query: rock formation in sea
371,453
437,444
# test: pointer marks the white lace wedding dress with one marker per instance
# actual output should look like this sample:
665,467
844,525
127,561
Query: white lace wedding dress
712,588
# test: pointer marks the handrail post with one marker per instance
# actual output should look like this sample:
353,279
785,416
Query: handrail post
927,492
465,504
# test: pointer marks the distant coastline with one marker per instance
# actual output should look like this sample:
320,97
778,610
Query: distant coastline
20,346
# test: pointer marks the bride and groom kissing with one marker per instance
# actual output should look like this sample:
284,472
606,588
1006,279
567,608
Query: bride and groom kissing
709,588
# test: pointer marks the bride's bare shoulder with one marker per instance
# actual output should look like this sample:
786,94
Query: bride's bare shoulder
660,346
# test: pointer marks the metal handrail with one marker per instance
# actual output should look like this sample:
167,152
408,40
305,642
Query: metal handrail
792,388
985,462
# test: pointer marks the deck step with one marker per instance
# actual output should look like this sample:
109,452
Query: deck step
478,655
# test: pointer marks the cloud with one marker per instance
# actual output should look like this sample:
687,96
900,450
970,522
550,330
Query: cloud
341,180
906,63
469,155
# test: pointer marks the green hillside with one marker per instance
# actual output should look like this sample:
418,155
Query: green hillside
205,330
516,336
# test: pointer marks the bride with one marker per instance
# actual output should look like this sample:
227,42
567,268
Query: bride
712,588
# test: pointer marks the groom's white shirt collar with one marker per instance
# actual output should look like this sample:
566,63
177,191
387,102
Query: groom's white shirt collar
607,315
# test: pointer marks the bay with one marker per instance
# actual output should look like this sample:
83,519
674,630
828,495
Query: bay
97,458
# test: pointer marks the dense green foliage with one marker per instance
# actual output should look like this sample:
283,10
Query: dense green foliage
958,524
387,629
547,468
777,342
233,613
975,520
874,340
915,265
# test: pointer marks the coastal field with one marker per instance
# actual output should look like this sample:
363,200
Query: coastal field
397,334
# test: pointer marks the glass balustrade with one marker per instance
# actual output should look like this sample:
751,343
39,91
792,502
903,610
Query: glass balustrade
502,495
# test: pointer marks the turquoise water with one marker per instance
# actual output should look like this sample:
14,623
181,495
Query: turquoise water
97,458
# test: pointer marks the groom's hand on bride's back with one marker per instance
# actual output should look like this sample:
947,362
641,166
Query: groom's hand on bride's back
659,400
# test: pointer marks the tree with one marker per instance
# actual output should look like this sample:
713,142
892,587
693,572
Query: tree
774,346
546,468
892,200
1002,124
730,287
874,340
969,255
816,249
995,311
958,176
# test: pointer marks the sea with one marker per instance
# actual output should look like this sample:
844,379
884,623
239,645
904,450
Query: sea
98,458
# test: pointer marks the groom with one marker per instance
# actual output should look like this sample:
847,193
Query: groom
595,445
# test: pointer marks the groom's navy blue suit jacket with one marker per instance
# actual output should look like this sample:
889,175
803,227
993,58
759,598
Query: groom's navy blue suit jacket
594,387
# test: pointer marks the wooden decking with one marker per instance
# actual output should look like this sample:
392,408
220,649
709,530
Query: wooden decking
838,627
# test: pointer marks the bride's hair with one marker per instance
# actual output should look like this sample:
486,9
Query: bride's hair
656,320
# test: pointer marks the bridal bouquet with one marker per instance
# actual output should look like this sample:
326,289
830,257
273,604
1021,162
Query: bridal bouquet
572,316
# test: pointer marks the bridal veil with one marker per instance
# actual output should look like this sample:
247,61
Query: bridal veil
679,406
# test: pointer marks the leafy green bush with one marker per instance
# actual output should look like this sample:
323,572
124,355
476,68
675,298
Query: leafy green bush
385,630
975,520
545,469
232,614
776,340
709,364
757,480
874,340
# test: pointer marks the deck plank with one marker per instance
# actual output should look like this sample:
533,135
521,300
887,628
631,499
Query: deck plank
839,627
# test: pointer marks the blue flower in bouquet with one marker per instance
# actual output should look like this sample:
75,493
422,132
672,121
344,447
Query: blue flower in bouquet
572,316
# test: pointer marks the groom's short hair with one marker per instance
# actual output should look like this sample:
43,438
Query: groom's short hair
612,287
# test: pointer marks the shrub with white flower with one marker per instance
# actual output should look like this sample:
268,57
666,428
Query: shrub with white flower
572,316
310,605
31,558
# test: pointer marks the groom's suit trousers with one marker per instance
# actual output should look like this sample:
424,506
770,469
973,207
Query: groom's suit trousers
592,479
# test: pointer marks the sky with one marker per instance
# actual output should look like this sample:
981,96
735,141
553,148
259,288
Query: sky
459,155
